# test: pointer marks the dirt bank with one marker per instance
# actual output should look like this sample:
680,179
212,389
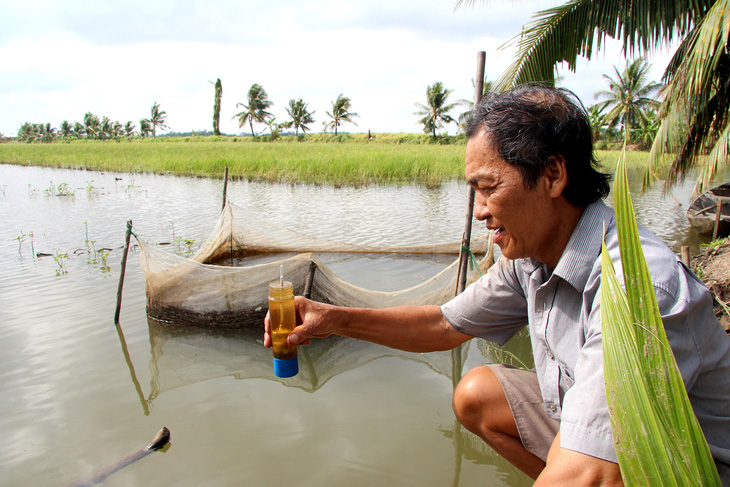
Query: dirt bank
713,266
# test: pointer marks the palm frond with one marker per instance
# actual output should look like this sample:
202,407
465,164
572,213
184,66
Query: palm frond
657,436
717,158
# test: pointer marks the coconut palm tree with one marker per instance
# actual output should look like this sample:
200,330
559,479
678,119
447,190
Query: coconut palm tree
129,129
340,113
106,129
217,107
255,111
628,97
435,112
157,119
65,129
696,103
78,130
300,116
91,125
144,128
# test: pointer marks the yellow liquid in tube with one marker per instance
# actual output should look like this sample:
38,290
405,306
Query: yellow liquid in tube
283,320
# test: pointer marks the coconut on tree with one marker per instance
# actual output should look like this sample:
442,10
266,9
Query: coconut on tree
435,112
256,110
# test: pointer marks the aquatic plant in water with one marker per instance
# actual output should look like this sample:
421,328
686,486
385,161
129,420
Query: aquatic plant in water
61,262
21,238
63,189
91,190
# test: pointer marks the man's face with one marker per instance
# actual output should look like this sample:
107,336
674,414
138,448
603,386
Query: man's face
520,217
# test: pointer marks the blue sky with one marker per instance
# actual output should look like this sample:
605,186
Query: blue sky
116,59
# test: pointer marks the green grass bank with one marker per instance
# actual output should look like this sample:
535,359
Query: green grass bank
345,160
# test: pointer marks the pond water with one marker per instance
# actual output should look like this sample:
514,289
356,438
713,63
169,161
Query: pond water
78,393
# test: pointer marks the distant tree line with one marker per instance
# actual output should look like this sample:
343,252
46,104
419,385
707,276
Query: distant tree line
627,112
94,128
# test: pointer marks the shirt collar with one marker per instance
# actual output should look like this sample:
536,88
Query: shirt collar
583,249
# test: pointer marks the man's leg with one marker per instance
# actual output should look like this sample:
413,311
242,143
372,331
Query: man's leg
482,407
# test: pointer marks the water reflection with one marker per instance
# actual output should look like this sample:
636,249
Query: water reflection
182,355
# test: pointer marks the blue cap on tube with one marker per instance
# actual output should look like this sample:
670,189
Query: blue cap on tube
286,368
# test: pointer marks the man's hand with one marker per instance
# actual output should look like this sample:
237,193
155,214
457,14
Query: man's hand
570,468
313,320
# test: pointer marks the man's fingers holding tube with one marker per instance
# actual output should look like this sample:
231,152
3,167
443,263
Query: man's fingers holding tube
267,331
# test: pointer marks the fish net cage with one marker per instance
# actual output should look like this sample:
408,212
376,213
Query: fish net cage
226,281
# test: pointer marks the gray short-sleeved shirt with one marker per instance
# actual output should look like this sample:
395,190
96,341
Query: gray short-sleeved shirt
562,310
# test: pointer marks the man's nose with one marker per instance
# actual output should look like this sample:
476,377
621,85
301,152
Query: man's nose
481,208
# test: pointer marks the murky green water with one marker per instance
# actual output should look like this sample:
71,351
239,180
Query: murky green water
78,393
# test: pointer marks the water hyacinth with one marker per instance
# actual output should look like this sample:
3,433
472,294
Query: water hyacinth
656,433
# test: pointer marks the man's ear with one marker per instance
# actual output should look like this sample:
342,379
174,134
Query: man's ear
556,176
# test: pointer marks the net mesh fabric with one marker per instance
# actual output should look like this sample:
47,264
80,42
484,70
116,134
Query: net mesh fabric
200,290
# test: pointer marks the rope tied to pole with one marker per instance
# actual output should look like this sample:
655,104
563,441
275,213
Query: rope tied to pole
473,262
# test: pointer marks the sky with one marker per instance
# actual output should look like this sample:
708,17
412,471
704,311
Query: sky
62,59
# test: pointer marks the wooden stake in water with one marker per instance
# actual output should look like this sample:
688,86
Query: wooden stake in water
121,275
225,188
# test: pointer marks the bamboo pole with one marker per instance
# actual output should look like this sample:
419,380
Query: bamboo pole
466,237
310,280
121,275
225,187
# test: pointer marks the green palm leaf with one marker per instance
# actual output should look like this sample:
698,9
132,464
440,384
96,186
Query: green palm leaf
657,436
697,103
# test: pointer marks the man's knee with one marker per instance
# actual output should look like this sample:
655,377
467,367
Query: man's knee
479,401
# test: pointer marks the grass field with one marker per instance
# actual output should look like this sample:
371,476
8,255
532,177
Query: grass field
350,160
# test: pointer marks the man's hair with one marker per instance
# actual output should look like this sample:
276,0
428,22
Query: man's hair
532,123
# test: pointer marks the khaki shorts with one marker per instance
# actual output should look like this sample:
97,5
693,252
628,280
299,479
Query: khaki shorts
537,430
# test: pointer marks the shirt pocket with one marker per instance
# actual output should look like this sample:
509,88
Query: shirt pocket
565,381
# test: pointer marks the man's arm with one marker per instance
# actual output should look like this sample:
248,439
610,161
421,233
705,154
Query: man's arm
410,328
570,468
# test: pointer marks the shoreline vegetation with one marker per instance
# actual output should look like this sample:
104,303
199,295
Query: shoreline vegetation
342,160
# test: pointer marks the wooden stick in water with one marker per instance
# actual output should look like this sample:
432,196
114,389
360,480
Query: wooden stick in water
225,188
160,440
121,275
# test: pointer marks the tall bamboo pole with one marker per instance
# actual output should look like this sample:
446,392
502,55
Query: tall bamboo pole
466,237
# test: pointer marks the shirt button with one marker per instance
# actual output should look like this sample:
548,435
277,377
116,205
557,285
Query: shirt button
550,355
552,408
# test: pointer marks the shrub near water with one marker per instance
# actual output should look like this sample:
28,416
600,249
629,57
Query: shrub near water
348,159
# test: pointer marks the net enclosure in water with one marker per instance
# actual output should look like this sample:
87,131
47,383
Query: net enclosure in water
207,289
